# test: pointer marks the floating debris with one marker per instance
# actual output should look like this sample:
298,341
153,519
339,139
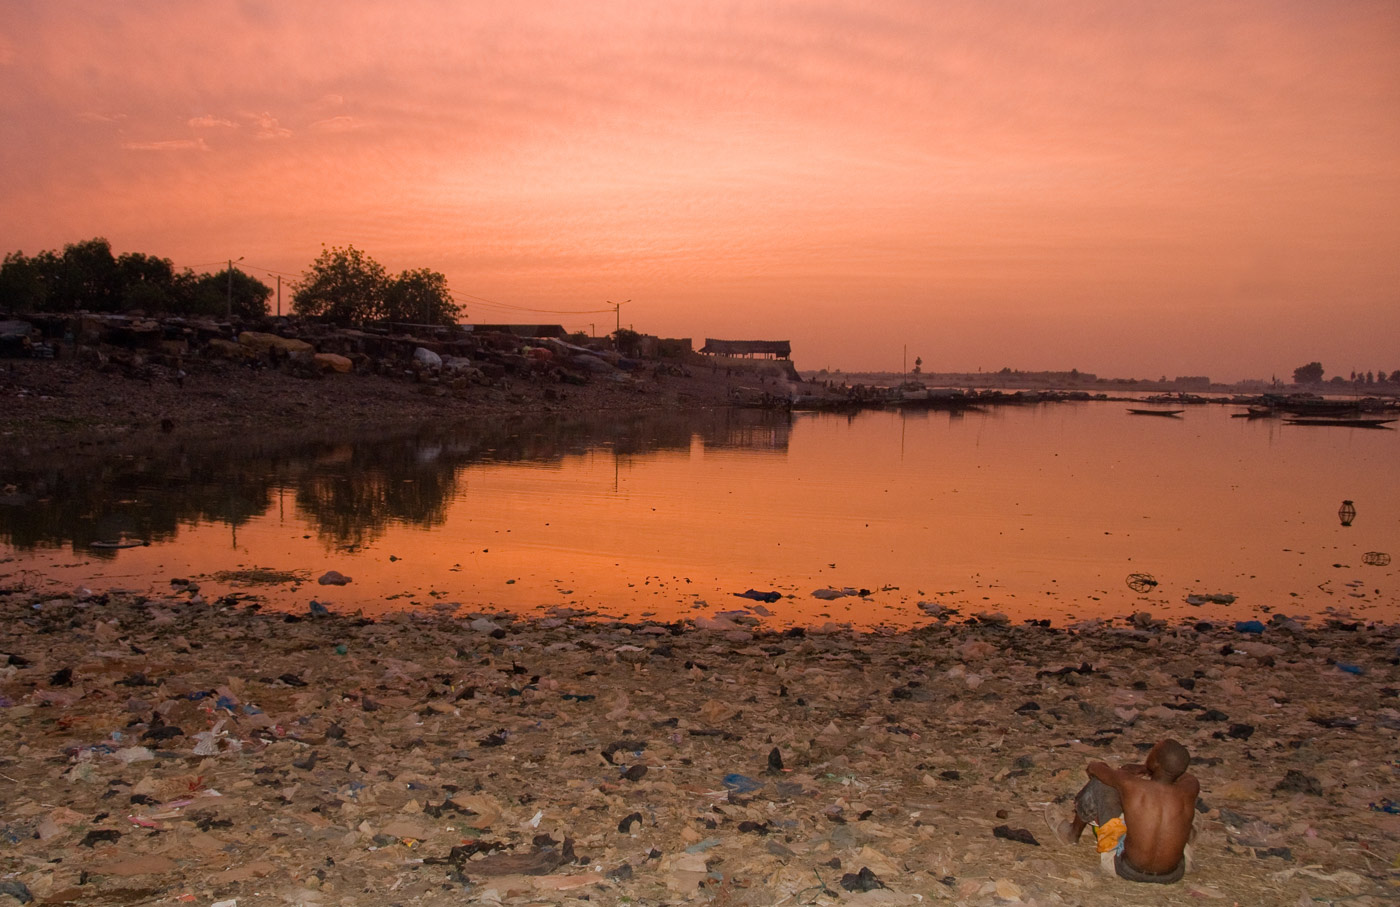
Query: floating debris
1222,598
1141,582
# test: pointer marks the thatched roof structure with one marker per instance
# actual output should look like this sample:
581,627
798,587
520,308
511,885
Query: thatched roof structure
780,349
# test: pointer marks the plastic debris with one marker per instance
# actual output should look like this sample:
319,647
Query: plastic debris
741,784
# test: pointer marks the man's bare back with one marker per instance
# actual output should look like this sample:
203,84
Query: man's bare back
1158,807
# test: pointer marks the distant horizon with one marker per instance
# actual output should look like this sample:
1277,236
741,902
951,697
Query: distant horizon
1143,187
288,287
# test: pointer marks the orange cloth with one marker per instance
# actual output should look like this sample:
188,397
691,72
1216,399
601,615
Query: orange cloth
1109,833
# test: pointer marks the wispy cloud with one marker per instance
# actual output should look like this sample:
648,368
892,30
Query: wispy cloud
211,122
170,145
267,126
337,124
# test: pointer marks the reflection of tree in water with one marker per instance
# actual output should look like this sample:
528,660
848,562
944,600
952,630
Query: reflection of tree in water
353,500
350,490
123,499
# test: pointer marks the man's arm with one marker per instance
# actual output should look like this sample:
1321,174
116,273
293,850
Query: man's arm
1108,774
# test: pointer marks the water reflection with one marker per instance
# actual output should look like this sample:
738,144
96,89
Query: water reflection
348,490
1035,511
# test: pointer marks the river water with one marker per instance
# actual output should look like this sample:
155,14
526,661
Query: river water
1034,511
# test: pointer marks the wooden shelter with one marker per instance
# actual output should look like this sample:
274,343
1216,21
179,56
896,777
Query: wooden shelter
748,349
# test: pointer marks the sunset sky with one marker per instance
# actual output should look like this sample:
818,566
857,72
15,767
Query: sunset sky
1130,189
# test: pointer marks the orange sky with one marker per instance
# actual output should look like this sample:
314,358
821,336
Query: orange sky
1131,189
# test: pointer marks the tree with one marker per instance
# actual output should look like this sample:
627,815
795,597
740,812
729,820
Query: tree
209,295
146,283
420,297
84,277
918,364
22,285
628,342
1308,374
344,286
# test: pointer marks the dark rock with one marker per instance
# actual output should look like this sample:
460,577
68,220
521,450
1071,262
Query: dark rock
864,880
1020,835
1295,782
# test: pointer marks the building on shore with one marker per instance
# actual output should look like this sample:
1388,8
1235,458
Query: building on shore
748,349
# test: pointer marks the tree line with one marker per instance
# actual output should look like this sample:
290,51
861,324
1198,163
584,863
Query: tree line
342,286
1312,373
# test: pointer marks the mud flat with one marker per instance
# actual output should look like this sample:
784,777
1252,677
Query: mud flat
173,750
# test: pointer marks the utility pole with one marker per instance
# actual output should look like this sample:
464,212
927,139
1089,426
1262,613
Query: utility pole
279,295
228,310
617,312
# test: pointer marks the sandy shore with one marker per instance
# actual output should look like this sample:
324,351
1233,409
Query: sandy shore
173,750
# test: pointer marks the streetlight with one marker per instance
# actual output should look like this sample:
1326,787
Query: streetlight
617,311
228,311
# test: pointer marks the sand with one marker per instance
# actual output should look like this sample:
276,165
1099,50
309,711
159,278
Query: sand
171,749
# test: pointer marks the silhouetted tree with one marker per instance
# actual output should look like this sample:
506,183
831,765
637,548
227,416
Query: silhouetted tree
1308,374
22,285
344,286
629,342
146,283
420,297
208,294
86,276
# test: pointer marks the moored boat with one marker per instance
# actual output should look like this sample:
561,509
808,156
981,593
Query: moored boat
1346,421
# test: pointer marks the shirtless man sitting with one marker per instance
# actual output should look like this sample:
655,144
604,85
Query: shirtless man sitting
1157,801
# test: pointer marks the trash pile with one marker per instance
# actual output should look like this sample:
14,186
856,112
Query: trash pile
165,750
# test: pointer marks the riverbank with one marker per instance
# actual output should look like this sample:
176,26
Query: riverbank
170,749
75,406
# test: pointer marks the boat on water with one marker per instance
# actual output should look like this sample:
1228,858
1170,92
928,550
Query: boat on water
1347,421
1256,411
947,398
1176,398
1155,412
